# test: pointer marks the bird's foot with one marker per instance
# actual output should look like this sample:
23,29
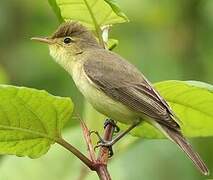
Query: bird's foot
98,135
103,143
108,144
113,123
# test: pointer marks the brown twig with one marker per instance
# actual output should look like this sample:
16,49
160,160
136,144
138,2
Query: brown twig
88,140
76,152
100,164
104,151
104,154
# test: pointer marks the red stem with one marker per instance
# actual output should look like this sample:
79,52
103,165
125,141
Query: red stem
100,164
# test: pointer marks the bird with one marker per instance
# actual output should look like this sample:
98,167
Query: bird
113,86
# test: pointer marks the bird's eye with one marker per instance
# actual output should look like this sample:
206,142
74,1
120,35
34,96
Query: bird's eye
67,40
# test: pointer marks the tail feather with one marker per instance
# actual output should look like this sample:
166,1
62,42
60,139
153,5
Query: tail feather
178,138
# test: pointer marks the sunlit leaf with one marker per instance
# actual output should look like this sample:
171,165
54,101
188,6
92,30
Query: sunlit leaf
30,120
25,168
89,12
192,101
56,9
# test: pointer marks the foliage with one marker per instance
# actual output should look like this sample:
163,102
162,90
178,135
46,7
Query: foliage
30,120
91,13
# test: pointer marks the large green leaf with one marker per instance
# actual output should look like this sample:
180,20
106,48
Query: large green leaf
89,12
59,162
192,101
30,120
56,9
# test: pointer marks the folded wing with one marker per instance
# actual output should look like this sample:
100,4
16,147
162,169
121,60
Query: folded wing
124,83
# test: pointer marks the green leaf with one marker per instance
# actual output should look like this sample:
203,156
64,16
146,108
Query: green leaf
116,9
25,168
91,13
192,101
112,43
30,120
56,10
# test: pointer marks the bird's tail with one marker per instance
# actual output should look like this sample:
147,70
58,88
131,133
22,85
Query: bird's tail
178,138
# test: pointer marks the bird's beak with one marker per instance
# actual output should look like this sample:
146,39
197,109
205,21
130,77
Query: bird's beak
43,40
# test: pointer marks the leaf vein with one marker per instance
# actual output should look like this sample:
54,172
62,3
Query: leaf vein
188,106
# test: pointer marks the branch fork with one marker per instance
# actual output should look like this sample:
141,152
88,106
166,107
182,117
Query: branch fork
99,163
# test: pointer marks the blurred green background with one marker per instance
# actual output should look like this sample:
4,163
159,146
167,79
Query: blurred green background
165,40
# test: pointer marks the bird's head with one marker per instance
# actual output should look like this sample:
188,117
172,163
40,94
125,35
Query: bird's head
70,39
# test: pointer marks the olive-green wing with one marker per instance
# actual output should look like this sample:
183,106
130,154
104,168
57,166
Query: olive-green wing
124,83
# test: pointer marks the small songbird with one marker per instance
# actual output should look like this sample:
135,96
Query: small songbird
113,86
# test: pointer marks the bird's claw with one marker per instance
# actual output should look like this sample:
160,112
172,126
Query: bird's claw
110,152
111,122
92,132
107,144
102,142
97,134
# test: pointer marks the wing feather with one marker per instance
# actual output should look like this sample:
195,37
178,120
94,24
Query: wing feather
129,86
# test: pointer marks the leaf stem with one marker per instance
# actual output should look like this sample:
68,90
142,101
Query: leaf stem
97,28
76,152
88,140
99,165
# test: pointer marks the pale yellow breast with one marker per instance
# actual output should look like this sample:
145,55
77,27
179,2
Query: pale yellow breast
99,100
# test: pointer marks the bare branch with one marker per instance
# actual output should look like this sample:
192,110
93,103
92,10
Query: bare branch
88,140
76,152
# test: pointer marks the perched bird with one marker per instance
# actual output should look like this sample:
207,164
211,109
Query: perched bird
113,86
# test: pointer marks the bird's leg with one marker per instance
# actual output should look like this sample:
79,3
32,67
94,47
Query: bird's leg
107,122
109,144
101,140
